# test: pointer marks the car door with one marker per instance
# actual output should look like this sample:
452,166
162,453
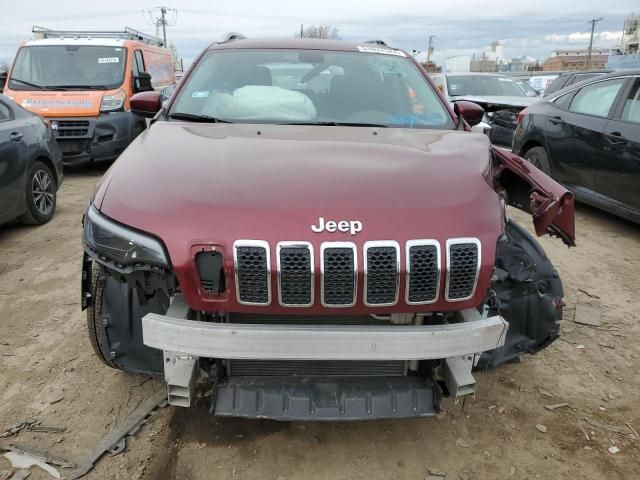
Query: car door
574,135
618,175
13,159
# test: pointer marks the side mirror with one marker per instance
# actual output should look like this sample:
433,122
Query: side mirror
146,104
142,82
471,112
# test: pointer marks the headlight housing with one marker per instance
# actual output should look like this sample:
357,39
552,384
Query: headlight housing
126,248
112,102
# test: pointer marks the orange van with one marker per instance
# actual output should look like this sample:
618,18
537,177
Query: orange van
82,82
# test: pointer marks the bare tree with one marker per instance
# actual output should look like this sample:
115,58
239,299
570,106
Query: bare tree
326,32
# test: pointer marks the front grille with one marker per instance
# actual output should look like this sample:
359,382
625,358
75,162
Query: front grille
72,128
295,270
339,274
423,271
252,265
316,368
463,265
382,270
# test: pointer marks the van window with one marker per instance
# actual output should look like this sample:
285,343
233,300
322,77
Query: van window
71,66
138,64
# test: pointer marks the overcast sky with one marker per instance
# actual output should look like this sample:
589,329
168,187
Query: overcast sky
534,27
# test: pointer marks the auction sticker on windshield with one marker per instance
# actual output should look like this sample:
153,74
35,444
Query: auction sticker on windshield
382,50
109,60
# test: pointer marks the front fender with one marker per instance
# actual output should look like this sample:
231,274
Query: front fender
531,190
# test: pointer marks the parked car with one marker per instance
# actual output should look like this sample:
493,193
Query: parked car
500,97
30,166
320,253
588,137
566,79
524,84
82,82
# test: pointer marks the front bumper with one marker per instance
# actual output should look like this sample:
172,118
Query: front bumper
94,139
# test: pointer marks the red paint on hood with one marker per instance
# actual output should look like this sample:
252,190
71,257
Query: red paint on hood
196,185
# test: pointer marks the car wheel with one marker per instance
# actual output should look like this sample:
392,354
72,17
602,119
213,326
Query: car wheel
537,156
41,195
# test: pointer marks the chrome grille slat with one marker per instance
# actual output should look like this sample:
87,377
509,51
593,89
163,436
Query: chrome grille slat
423,272
463,268
339,274
295,274
381,273
252,260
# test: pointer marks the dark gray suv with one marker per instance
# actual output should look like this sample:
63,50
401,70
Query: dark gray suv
30,165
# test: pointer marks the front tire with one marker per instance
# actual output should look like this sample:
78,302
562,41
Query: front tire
41,195
537,156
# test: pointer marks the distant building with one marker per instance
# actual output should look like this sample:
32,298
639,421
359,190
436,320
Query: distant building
576,59
483,64
431,67
459,63
522,64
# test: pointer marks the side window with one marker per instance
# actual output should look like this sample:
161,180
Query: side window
5,113
631,111
138,62
564,101
596,99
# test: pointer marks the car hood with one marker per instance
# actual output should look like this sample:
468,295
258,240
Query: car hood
193,185
493,102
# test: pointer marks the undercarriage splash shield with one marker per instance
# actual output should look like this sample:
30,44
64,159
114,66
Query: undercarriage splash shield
327,399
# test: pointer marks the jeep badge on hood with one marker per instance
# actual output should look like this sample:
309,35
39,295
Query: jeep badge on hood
353,226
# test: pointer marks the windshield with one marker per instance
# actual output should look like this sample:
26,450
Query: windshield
483,85
310,87
69,66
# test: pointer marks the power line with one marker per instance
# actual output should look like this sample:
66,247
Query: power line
168,17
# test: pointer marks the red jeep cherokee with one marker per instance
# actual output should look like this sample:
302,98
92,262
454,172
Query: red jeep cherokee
308,228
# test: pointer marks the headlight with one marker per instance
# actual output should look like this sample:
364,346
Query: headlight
121,245
113,102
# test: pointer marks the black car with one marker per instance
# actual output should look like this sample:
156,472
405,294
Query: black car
30,165
566,79
588,137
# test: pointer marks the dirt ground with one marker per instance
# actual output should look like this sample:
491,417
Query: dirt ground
48,373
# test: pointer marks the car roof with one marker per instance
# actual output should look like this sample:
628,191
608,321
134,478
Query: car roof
604,76
298,43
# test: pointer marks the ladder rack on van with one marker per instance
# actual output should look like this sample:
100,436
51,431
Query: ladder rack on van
127,34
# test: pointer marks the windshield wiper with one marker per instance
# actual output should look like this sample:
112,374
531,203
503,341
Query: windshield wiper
337,124
192,117
28,84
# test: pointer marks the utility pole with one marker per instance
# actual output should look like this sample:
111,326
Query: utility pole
593,27
168,17
431,37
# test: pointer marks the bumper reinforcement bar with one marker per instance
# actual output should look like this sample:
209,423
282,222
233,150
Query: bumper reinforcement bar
328,342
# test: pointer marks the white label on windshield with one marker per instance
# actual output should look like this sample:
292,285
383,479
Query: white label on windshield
109,60
200,94
382,50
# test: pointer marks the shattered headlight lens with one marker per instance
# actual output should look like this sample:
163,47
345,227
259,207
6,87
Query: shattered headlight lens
113,102
119,244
